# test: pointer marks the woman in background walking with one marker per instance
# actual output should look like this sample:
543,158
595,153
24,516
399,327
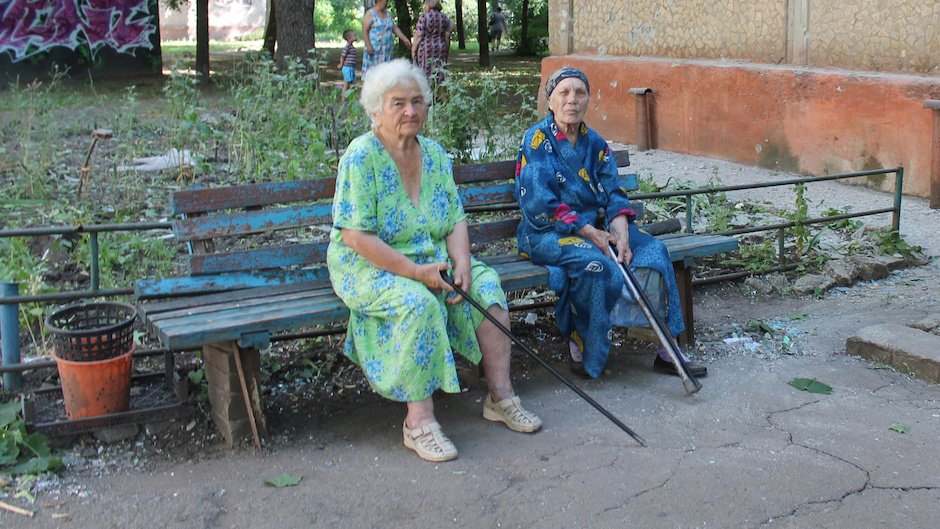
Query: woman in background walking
378,30
497,26
432,41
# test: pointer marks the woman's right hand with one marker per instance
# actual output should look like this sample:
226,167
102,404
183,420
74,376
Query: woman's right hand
430,276
599,238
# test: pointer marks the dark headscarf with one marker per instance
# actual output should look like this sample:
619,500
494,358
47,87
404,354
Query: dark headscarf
565,73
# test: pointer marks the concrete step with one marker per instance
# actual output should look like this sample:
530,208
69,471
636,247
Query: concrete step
907,349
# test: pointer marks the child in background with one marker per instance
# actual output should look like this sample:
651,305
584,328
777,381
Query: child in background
347,60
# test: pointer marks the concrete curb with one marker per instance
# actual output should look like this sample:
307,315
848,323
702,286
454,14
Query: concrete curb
905,348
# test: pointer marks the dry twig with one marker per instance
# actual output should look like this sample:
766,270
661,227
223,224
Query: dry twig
15,509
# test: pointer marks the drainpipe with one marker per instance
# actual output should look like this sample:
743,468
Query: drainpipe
934,105
10,335
570,43
643,126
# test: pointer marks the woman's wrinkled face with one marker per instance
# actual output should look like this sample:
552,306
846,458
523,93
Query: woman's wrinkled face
569,102
403,110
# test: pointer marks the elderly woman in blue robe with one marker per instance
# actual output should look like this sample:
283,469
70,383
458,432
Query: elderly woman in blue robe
573,208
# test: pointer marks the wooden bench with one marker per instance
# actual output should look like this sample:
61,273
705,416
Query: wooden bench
257,268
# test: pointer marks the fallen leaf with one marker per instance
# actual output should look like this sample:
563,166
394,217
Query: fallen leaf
811,385
283,480
900,428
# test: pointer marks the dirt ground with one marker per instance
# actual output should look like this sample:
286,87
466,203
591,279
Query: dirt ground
739,455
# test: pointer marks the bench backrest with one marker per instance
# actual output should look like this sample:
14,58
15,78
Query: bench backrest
274,233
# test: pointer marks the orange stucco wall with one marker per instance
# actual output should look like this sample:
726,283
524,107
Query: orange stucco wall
814,121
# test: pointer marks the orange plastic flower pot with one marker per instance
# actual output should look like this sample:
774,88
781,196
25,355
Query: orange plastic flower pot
100,387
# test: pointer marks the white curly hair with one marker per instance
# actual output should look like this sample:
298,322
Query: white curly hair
383,77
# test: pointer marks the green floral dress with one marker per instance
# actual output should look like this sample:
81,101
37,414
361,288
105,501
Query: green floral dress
400,333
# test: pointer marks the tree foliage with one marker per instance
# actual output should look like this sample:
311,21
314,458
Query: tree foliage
535,40
334,16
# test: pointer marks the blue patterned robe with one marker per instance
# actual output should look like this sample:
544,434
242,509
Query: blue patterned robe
560,188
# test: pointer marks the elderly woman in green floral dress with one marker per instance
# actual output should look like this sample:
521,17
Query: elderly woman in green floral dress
397,224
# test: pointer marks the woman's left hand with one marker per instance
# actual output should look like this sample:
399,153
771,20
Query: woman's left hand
620,230
462,279
624,255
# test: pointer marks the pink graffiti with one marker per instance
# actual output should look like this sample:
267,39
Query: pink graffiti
31,27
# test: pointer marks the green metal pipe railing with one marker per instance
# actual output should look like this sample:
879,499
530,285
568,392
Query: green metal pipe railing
688,193
781,227
94,229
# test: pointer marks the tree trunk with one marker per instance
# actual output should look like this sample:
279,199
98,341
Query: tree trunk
482,33
202,39
524,47
461,38
403,12
294,19
270,30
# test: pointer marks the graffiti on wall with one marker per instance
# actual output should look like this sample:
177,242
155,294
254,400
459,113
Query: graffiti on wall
33,27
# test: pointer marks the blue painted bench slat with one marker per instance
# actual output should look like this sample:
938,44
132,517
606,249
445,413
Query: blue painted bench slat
228,322
186,286
251,222
299,254
247,196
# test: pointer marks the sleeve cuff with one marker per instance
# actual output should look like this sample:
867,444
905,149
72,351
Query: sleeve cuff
631,215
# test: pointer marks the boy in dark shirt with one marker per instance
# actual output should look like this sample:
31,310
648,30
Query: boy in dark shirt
347,60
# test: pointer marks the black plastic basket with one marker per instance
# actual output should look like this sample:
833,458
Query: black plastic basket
92,331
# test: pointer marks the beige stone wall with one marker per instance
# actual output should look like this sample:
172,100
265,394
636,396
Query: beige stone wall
731,29
884,35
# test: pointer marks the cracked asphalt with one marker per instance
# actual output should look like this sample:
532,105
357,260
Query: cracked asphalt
748,451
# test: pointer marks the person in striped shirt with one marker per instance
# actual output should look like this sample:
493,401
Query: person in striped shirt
347,60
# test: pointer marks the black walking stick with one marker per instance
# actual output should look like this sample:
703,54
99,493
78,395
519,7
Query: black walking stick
672,348
546,365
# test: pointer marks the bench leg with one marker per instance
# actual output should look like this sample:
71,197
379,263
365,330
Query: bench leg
684,282
229,392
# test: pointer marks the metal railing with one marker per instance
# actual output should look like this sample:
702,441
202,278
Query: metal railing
781,227
94,273
8,300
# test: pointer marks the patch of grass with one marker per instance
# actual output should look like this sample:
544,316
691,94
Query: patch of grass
176,49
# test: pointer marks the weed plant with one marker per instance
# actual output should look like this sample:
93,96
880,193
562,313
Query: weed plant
26,139
22,266
890,242
21,453
466,123
711,208
283,127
